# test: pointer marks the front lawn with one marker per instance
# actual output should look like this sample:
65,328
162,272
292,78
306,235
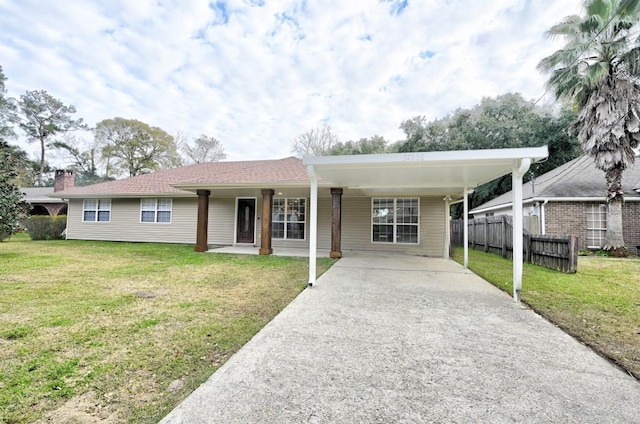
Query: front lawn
121,332
599,305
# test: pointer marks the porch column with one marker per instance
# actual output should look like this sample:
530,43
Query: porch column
313,225
203,220
336,223
520,167
265,241
465,224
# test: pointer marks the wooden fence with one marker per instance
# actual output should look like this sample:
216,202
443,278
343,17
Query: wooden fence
495,235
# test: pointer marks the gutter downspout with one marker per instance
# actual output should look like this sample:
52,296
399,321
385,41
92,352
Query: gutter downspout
543,222
313,225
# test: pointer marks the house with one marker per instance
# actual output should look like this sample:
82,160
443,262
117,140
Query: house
397,203
39,197
571,199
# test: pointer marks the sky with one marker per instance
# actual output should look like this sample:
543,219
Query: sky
257,73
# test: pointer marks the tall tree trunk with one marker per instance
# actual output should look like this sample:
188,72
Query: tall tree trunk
614,240
41,162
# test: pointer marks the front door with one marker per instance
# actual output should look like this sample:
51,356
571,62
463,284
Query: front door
246,220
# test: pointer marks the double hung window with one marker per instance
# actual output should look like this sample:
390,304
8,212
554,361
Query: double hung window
96,210
155,210
395,220
596,225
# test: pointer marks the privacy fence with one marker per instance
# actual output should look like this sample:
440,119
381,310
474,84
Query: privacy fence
495,235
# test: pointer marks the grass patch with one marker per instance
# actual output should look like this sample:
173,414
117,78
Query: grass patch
599,305
93,331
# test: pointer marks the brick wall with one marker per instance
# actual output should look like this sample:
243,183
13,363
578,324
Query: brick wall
570,218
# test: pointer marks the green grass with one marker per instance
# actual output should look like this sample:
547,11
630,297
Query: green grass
93,331
599,305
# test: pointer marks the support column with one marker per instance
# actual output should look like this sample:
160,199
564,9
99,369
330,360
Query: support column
336,223
446,253
313,225
265,240
465,224
520,167
203,221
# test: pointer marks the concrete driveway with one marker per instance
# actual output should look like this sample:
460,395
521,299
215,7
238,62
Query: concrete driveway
401,339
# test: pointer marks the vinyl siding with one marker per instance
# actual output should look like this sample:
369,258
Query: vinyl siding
125,223
221,221
356,225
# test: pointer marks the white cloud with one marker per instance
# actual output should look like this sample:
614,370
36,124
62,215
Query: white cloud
255,73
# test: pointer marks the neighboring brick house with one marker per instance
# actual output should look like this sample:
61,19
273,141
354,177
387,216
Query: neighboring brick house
571,200
38,197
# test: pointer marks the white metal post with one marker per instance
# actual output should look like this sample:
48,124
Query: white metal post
465,224
519,169
447,232
313,226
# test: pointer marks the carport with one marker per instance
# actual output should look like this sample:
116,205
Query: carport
451,174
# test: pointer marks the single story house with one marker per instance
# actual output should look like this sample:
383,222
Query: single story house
571,199
388,203
40,197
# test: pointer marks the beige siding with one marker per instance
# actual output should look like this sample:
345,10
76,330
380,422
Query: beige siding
125,223
221,221
324,223
356,228
356,225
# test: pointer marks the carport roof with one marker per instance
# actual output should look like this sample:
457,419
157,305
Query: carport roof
427,173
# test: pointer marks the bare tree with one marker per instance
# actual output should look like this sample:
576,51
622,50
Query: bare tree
315,142
205,149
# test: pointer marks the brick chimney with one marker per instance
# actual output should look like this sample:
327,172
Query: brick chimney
64,180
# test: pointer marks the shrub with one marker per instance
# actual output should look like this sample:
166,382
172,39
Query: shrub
46,227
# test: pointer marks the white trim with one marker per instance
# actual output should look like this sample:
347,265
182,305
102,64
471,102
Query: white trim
255,219
551,199
63,195
405,159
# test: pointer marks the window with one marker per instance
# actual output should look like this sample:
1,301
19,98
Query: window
395,220
288,219
96,210
155,210
596,225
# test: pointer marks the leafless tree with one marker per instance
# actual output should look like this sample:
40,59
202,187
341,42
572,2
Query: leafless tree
205,149
315,142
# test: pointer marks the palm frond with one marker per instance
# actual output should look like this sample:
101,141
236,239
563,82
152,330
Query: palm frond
570,26
600,9
595,73
628,8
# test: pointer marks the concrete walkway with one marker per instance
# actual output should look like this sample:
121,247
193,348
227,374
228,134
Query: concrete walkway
403,339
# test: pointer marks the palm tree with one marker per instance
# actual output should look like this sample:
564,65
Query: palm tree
598,69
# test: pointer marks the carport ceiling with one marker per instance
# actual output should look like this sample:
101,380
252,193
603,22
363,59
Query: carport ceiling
428,173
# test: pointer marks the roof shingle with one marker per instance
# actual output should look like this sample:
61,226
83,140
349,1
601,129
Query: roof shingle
578,178
279,171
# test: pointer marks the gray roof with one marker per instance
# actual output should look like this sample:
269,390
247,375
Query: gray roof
39,195
578,179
